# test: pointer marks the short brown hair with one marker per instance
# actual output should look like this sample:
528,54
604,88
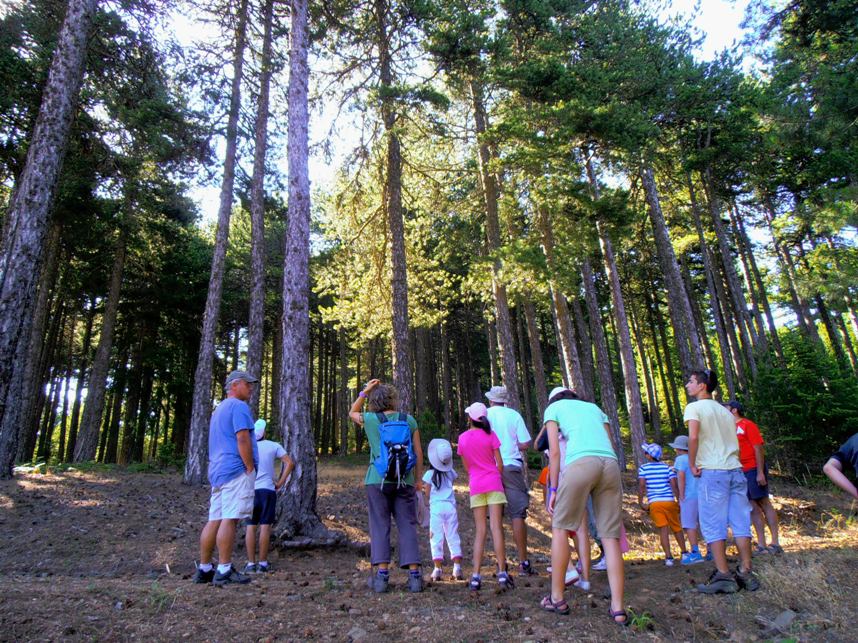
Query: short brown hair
383,397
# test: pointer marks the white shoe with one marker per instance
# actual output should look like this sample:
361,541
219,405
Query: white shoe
600,565
668,562
436,574
572,577
548,569
583,585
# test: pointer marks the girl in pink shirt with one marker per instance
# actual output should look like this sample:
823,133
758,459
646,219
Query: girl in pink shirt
479,449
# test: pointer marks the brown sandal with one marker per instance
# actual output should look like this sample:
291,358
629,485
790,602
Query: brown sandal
614,616
559,607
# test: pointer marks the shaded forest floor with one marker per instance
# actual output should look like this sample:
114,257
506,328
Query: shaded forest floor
108,555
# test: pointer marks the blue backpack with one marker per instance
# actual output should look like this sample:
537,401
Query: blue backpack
396,453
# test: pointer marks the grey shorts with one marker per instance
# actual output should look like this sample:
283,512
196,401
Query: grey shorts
515,489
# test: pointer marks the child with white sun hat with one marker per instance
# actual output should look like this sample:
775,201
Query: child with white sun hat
443,518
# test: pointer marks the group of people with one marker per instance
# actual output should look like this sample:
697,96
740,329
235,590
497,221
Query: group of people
719,481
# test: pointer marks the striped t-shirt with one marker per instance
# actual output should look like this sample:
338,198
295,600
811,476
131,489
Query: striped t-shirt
658,476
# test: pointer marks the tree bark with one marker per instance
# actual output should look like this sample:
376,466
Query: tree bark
256,318
687,343
446,380
506,339
196,465
81,380
536,356
296,508
26,220
88,439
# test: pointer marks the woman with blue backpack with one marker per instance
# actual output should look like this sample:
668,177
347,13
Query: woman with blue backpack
394,473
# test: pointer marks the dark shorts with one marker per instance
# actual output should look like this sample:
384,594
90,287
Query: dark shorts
264,504
515,489
755,491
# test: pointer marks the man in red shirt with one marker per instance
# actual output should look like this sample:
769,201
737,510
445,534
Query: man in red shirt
753,460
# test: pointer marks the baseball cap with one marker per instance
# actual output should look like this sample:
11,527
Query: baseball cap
476,411
653,449
239,375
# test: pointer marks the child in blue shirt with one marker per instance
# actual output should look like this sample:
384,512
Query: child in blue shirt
687,487
657,482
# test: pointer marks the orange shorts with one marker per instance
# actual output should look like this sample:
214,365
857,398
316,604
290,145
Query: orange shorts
665,514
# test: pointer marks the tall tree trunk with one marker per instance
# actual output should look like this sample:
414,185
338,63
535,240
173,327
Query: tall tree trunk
523,361
81,379
747,278
488,181
734,286
26,221
446,380
120,378
343,395
256,318
536,356
402,370
674,382
585,345
196,465
62,454
132,405
423,368
492,344
143,415
296,508
565,332
92,412
603,359
687,343
37,348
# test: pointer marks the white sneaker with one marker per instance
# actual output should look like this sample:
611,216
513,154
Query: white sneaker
572,576
548,569
436,574
600,565
583,585
668,562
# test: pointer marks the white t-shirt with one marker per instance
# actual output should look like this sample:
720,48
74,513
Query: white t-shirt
269,451
509,426
441,497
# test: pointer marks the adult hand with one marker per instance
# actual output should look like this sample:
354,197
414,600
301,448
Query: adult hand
249,471
695,471
371,385
761,478
552,498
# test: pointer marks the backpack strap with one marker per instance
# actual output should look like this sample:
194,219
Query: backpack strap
403,417
382,418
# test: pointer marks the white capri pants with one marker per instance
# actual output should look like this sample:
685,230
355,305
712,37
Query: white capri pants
444,525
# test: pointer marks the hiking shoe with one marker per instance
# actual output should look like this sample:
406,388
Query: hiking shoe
476,583
250,568
415,583
526,569
379,583
668,562
776,549
262,569
204,578
708,557
505,581
747,580
436,574
600,565
719,583
230,577
691,558
760,550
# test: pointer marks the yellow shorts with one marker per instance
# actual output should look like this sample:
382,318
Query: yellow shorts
665,514
488,498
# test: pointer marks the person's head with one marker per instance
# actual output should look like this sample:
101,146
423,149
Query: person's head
238,384
497,396
561,393
383,397
652,451
680,444
478,417
702,383
735,407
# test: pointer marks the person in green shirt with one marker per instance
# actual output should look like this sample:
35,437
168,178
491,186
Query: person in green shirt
389,498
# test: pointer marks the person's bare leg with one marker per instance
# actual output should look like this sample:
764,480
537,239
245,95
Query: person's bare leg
582,544
225,540
616,573
496,524
744,547
208,538
264,541
479,538
757,521
664,537
519,534
771,518
559,560
250,544
718,549
680,539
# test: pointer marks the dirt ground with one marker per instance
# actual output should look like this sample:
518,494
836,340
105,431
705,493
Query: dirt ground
109,555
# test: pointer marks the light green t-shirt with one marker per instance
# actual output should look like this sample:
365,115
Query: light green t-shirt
583,426
370,427
718,446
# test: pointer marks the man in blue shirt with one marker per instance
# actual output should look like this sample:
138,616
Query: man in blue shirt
232,474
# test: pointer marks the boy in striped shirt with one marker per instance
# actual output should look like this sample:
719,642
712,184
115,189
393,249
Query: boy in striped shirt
657,482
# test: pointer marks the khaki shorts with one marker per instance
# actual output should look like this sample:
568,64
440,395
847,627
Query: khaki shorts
488,498
594,475
665,514
234,500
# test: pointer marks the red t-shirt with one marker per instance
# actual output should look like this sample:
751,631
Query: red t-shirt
749,436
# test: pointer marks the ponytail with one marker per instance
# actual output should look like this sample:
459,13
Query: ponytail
482,423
